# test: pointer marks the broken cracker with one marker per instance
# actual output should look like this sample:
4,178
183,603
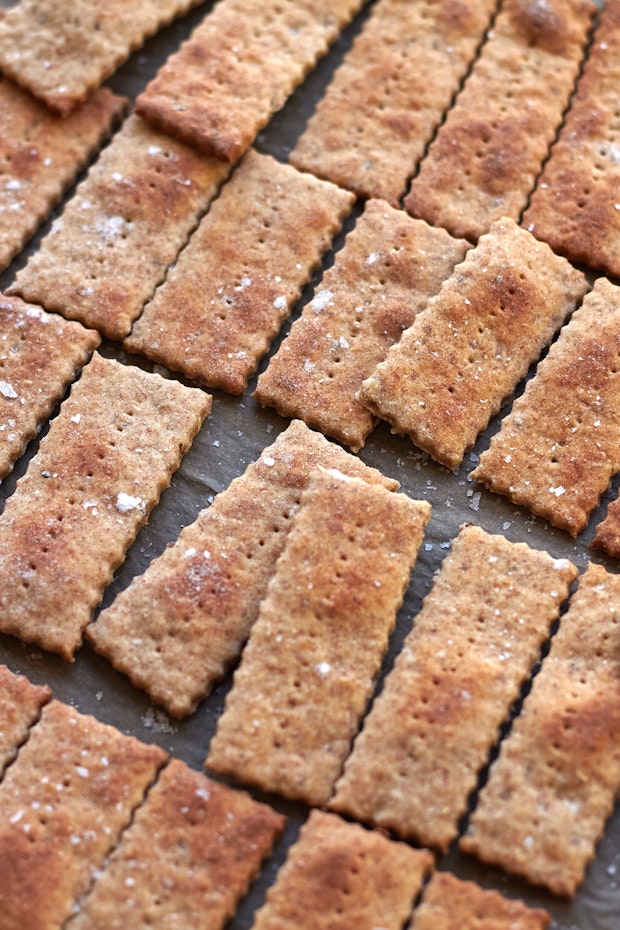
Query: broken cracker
238,68
243,270
20,703
316,648
553,786
390,265
472,646
177,629
467,351
607,536
122,229
96,476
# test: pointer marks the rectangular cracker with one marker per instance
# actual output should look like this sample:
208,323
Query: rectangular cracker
553,785
20,704
372,125
63,804
240,275
575,205
316,648
176,629
96,476
210,844
121,230
472,646
40,354
238,68
484,161
466,353
40,156
453,904
338,876
390,265
61,50
558,458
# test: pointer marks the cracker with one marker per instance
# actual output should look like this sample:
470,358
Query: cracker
372,126
451,904
553,785
21,704
575,205
465,354
316,648
177,629
607,536
389,267
484,161
92,484
557,459
41,155
61,50
210,841
339,876
63,805
121,230
432,727
40,355
238,68
232,287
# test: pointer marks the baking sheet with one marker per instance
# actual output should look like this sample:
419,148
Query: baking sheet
233,436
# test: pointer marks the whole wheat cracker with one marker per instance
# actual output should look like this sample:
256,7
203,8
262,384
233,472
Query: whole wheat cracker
316,648
209,844
377,116
339,876
467,351
63,804
553,785
472,646
177,629
575,205
121,230
607,536
96,476
390,265
243,270
61,50
40,354
40,156
21,704
557,459
485,158
238,68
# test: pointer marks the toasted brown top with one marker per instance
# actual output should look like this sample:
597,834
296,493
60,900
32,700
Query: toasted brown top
20,705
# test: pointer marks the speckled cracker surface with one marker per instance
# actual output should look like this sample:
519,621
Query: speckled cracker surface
485,158
40,354
467,351
238,68
451,904
558,458
176,629
95,478
121,230
61,50
315,650
378,114
607,536
575,205
232,287
472,646
63,804
389,266
339,876
186,860
20,705
553,786
41,154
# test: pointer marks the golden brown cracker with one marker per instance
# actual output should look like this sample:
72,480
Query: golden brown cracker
431,729
607,536
243,270
20,706
177,629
